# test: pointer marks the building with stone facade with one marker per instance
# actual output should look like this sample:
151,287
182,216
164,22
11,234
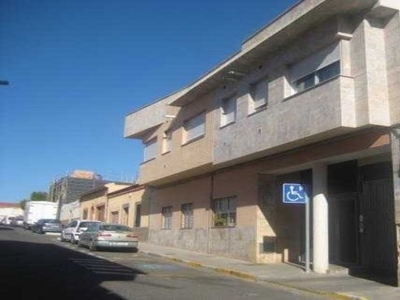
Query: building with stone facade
119,203
313,98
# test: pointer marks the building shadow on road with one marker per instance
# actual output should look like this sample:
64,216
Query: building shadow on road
31,270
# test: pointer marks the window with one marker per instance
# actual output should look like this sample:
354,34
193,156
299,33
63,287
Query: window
316,69
125,214
166,217
228,111
167,141
317,77
224,211
150,150
101,210
187,216
195,127
259,95
115,217
138,215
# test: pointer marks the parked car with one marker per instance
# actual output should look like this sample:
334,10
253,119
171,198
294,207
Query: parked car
47,225
74,229
110,236
17,221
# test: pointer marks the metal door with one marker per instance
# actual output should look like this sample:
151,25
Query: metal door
377,227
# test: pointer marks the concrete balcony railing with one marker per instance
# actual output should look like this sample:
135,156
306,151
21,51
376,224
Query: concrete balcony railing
322,112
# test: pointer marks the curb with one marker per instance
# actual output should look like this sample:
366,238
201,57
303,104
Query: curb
193,264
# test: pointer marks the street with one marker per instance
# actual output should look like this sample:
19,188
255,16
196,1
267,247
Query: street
35,266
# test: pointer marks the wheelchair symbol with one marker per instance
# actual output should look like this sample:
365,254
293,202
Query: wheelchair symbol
294,195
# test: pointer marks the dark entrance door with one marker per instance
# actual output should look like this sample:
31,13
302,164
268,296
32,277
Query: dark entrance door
378,237
343,213
343,236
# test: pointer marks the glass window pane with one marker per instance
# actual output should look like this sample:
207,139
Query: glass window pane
328,72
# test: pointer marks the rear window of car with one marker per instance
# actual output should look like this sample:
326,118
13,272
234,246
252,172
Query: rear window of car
87,224
52,221
115,228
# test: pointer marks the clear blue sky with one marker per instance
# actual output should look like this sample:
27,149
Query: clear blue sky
76,68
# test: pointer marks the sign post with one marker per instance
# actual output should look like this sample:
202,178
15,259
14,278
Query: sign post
295,193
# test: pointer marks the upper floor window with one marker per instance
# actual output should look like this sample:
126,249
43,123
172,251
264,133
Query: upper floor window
194,128
167,141
228,111
316,69
150,149
259,95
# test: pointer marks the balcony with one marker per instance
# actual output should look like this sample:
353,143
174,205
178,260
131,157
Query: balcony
324,111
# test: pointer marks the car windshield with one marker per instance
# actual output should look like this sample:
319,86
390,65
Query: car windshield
115,228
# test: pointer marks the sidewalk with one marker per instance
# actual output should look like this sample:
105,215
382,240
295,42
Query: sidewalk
338,285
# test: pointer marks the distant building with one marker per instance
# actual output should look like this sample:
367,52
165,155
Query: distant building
69,188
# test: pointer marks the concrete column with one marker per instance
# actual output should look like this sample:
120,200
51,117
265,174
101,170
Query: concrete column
320,219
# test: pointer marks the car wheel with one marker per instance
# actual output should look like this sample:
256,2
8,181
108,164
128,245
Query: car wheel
79,244
92,246
73,241
135,250
62,238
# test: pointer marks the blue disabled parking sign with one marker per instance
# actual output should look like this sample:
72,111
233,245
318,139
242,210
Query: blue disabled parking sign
294,193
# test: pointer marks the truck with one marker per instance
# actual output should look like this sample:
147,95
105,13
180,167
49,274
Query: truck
36,210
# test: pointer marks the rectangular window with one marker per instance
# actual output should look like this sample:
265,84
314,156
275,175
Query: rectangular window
317,77
228,111
224,211
125,214
166,213
259,95
195,127
315,69
101,210
114,217
150,150
138,215
187,216
167,141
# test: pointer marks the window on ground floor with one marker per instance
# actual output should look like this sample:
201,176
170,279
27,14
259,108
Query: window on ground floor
101,210
138,215
166,213
224,211
187,216
114,217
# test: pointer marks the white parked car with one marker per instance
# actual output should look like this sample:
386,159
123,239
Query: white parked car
74,229
110,236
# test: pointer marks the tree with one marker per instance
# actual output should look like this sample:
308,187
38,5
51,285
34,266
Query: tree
38,196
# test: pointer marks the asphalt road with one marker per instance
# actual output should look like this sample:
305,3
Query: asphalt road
34,266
